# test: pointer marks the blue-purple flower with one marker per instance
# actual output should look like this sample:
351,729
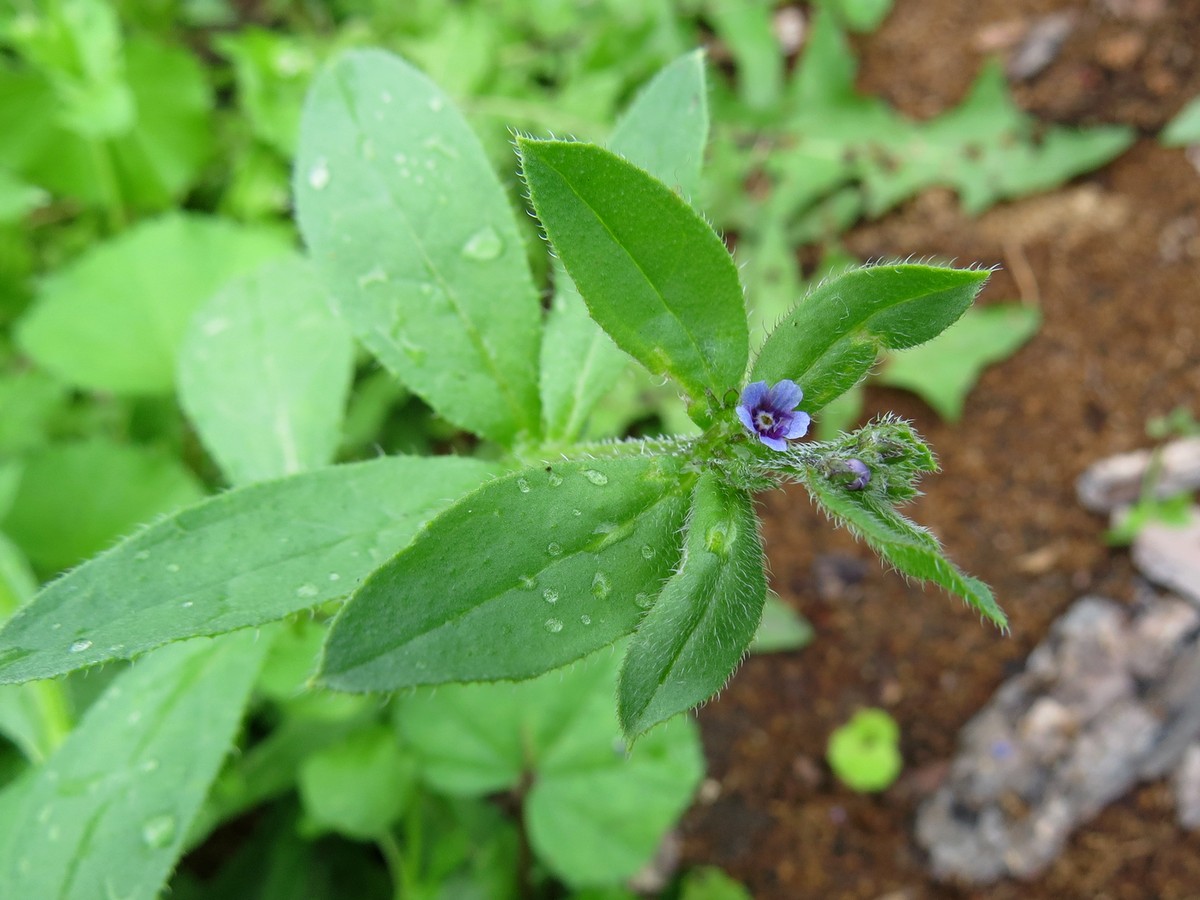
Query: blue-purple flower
771,415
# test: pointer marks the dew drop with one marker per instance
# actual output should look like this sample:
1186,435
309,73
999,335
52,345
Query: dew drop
647,551
528,583
585,619
367,149
577,512
307,590
643,601
596,478
600,586
385,97
605,528
523,485
436,104
213,327
554,626
554,548
319,175
172,567
334,576
56,626
80,645
142,555
483,245
550,595
435,143
555,479
148,765
158,831
376,276
400,159
187,604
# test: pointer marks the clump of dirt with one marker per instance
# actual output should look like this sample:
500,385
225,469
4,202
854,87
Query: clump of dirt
1113,261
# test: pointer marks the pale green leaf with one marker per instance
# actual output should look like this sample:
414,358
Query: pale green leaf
702,622
249,556
530,572
113,319
596,812
943,371
1185,127
417,243
833,336
264,371
73,500
17,198
107,814
654,275
781,628
748,32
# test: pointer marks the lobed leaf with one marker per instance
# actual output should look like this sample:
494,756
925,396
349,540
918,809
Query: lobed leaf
107,814
264,371
911,549
416,241
528,573
654,275
698,629
249,556
832,337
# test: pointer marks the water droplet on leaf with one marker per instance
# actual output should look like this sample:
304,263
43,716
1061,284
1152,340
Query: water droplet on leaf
600,586
483,245
585,619
555,479
436,104
376,276
319,175
550,595
523,485
307,590
643,600
647,551
159,831
596,478
554,548
554,626
80,645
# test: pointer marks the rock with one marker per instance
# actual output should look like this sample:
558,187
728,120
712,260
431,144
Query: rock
1040,45
1170,555
1104,701
1187,788
1117,481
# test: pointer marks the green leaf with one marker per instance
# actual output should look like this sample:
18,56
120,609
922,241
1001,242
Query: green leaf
272,71
595,813
653,273
113,319
73,500
528,573
664,131
710,883
908,547
865,752
264,371
249,556
861,15
417,243
832,337
943,371
357,787
781,628
747,31
698,629
1184,128
18,198
109,811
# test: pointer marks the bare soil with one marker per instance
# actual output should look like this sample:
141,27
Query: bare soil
1113,260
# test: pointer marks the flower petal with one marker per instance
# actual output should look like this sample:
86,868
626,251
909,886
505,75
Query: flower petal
773,442
799,426
753,395
747,419
785,396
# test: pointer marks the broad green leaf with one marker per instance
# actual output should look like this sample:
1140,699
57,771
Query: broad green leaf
653,273
595,813
359,786
415,238
107,813
710,883
1185,127
781,628
73,500
908,547
264,371
746,28
273,71
663,131
943,371
704,619
30,400
113,319
528,573
249,556
861,15
833,336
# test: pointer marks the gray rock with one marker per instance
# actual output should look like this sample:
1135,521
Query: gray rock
1117,481
1170,555
1187,788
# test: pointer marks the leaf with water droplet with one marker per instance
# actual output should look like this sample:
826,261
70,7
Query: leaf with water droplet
477,335
473,620
698,629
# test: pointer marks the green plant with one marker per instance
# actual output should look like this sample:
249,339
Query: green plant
865,752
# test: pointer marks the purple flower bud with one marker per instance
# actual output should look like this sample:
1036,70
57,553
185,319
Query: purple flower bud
862,475
771,415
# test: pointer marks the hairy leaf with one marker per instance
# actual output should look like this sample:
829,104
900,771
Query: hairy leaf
698,629
527,573
246,557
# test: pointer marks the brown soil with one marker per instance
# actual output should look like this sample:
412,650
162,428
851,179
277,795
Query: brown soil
1114,262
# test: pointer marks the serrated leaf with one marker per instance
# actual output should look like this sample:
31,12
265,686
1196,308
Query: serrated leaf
264,371
699,627
595,813
943,371
664,131
110,809
416,241
908,547
249,556
528,573
73,500
833,336
654,275
113,319
1184,128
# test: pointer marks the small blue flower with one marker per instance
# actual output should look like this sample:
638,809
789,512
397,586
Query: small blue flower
771,415
861,474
